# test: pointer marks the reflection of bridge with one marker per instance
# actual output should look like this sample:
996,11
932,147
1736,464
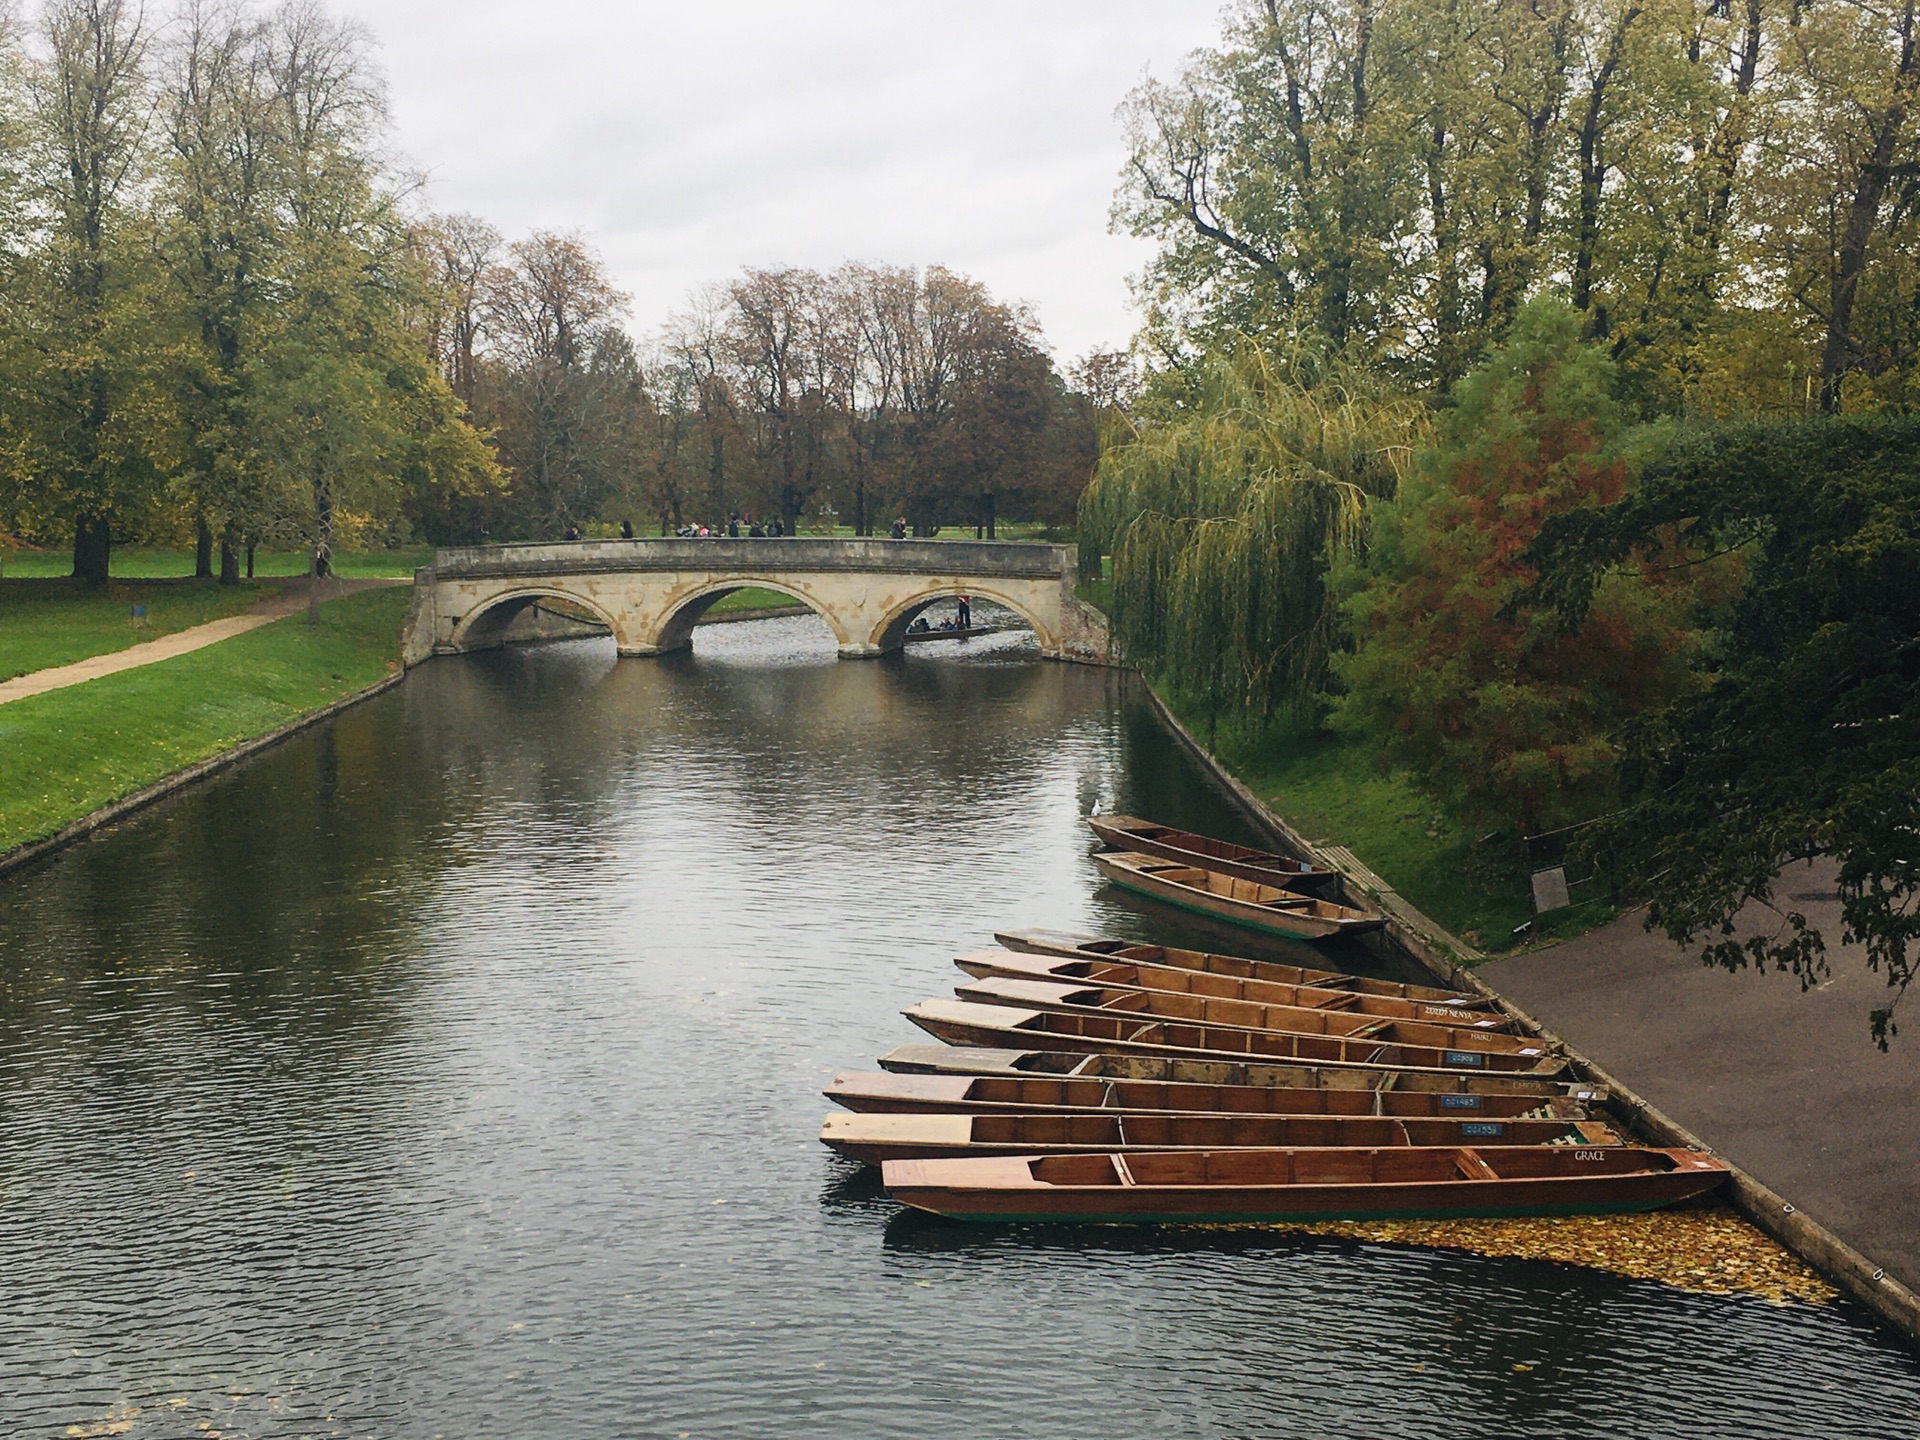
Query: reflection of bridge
649,593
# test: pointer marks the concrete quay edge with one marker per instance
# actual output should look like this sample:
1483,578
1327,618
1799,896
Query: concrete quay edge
1441,955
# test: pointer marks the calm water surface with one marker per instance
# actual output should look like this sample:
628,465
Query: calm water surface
454,1071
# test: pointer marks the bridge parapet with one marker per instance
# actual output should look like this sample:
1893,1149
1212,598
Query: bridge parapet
650,592
985,558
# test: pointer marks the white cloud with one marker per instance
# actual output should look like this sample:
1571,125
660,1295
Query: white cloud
689,140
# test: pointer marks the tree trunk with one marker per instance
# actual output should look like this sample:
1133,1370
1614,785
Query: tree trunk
990,514
1863,218
249,559
202,548
92,549
230,555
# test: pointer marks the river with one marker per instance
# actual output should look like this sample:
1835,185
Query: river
453,1070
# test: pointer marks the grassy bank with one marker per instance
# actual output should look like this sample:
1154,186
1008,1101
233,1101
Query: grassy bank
1340,790
142,562
56,622
66,754
752,599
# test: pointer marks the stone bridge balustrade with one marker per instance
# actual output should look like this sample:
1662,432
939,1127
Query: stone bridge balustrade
650,593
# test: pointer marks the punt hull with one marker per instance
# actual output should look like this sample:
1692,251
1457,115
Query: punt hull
1164,842
966,1024
1294,922
1004,1190
1480,1033
1070,946
886,1093
1026,1060
876,1139
1131,975
921,637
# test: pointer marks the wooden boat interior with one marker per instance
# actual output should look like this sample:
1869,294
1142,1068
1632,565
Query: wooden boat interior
1062,944
1131,826
1408,1165
1257,1015
1038,1093
1228,887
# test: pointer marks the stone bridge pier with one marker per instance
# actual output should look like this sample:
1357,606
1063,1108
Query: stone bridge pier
649,593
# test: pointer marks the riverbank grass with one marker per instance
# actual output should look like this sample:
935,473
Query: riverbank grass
153,562
67,753
44,623
1339,790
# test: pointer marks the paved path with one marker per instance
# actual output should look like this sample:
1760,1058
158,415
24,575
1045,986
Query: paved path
288,601
1786,1085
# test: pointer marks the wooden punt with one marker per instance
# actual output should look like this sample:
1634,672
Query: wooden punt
965,1022
1067,945
920,637
1253,903
1249,1015
1143,837
1237,1186
1180,1069
875,1139
919,1093
1125,975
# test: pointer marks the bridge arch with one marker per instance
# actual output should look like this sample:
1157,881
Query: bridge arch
891,631
485,626
683,612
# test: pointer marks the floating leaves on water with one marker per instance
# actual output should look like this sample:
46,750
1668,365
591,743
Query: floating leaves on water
1705,1248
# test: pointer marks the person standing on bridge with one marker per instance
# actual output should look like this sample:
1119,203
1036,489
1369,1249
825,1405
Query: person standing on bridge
626,529
899,531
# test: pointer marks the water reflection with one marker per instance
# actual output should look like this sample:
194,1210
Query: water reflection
455,1070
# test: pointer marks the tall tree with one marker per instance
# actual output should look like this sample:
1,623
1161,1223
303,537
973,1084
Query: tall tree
1843,207
552,313
1513,720
1803,738
220,234
98,430
1234,488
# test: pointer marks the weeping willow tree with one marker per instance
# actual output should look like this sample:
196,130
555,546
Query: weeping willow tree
1224,509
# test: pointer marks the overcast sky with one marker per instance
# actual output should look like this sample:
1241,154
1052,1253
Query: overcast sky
689,138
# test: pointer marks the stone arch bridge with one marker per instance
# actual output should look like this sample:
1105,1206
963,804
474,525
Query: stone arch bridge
649,593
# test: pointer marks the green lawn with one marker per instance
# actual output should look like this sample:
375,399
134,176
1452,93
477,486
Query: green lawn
139,562
55,622
751,599
67,753
1341,791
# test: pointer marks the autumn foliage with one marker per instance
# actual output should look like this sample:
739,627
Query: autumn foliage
1500,709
